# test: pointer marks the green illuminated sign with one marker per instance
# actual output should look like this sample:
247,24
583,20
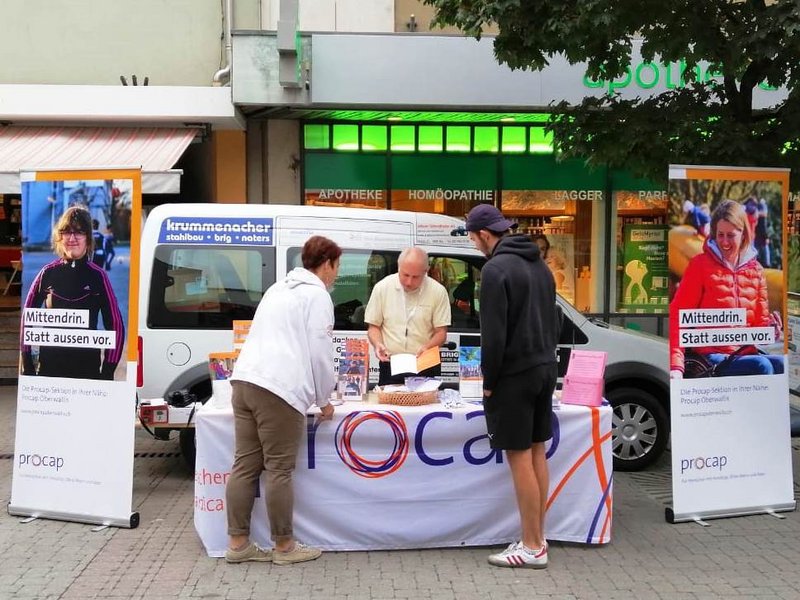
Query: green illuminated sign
647,75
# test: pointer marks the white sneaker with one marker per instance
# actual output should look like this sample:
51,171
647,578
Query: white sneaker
517,555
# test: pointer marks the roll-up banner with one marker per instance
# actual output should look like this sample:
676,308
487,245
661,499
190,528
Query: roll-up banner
76,402
729,397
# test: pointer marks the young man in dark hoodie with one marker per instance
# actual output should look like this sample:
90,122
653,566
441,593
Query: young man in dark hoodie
519,333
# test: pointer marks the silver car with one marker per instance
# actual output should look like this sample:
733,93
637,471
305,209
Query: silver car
636,384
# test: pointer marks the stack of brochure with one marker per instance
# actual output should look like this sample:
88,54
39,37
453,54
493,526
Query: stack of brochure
470,377
353,369
583,383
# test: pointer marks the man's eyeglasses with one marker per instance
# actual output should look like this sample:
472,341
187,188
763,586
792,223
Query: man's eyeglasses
66,233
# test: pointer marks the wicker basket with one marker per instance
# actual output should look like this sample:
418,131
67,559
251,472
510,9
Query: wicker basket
407,398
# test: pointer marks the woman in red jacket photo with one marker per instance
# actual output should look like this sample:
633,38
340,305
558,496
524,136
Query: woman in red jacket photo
725,275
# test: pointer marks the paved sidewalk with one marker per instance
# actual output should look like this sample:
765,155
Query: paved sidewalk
751,557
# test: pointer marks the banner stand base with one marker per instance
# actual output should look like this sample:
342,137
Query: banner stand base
672,518
132,522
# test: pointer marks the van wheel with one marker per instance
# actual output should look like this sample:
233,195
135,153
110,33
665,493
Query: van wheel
188,448
639,428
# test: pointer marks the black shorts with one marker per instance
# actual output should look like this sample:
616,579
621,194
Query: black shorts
520,410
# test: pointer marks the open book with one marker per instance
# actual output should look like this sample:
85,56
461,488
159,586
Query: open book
409,363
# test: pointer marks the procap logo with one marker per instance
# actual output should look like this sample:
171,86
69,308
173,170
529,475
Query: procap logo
372,469
40,461
395,442
703,462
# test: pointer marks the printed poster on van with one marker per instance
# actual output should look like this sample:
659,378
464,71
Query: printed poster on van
76,401
729,393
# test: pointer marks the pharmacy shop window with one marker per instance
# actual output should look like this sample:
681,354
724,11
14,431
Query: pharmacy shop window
567,227
641,285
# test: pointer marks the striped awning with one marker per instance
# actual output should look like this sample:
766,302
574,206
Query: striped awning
155,149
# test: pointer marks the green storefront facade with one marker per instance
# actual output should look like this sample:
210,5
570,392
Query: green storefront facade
433,123
449,167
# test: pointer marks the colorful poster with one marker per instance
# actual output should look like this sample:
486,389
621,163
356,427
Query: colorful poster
644,269
220,365
731,451
77,385
470,381
353,369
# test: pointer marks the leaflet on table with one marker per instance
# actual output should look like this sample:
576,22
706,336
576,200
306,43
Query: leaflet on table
220,369
583,382
220,365
470,377
240,331
413,384
353,369
409,363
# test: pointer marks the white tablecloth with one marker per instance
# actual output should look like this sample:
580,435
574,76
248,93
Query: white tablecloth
391,477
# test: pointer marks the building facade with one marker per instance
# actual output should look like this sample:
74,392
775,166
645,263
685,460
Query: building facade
347,103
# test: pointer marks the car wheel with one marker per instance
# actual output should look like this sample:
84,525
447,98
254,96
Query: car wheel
639,428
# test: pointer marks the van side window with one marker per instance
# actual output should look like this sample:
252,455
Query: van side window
207,287
461,276
359,271
571,336
571,333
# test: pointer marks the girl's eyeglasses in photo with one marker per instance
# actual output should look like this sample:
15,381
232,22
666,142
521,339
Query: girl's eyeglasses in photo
66,233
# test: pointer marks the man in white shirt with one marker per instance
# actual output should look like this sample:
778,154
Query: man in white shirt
408,312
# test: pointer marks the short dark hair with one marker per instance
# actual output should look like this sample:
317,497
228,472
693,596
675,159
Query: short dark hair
318,250
543,237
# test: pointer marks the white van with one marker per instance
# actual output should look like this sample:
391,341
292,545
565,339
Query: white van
205,265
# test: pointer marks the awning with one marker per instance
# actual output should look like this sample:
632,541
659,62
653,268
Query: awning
155,149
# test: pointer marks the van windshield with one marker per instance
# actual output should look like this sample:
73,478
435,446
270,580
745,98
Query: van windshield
207,287
360,270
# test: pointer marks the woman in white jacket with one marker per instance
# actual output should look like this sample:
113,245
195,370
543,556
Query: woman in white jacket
285,366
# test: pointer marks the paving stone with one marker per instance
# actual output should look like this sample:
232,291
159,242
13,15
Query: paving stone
749,557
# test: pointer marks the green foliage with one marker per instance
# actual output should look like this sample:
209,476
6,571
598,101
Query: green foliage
713,122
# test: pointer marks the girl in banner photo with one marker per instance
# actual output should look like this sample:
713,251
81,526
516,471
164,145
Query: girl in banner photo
725,275
74,282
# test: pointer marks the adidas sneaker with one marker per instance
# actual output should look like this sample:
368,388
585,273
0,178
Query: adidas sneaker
518,556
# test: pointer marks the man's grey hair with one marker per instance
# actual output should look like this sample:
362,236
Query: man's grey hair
415,254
